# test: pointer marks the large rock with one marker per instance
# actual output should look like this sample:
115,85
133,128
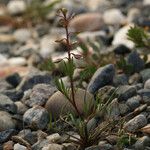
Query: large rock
36,117
103,76
136,123
16,7
7,104
6,121
83,22
58,104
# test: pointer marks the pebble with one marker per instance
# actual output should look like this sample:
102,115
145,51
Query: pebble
136,62
133,15
16,7
124,92
54,137
21,108
120,37
121,49
19,147
40,144
142,142
53,147
136,123
22,35
36,117
8,145
120,79
114,17
103,76
105,146
146,2
82,22
147,84
6,121
134,102
124,109
39,95
145,74
145,94
58,104
7,104
17,61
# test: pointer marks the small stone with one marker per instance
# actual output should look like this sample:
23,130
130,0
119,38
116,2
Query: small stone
124,109
145,94
112,139
4,48
124,92
147,84
21,108
134,102
82,22
58,104
136,123
7,104
135,78
120,79
92,148
17,61
121,50
136,62
5,135
133,14
54,137
145,74
16,7
37,117
40,144
146,2
6,121
103,76
8,145
22,35
103,145
19,147
142,142
53,147
121,37
114,16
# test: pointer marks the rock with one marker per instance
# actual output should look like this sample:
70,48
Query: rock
17,61
133,15
92,148
134,102
142,142
92,124
146,2
121,49
21,108
5,48
5,135
42,29
112,139
7,104
145,94
69,146
8,145
58,104
135,78
124,92
19,147
53,147
145,74
4,85
136,123
7,38
54,137
40,94
103,76
136,62
124,109
16,7
13,79
13,94
6,121
22,35
33,78
40,144
82,22
114,17
120,79
147,84
146,129
36,117
105,146
121,37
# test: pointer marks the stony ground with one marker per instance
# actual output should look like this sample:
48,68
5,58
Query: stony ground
28,94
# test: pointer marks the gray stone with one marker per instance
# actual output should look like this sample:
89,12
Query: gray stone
53,147
145,74
142,142
37,117
6,121
5,135
134,102
92,148
40,94
136,123
103,145
5,48
145,94
21,108
121,50
136,62
4,85
124,109
40,144
124,92
19,147
92,124
121,79
103,76
147,84
33,78
7,104
135,78
54,137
